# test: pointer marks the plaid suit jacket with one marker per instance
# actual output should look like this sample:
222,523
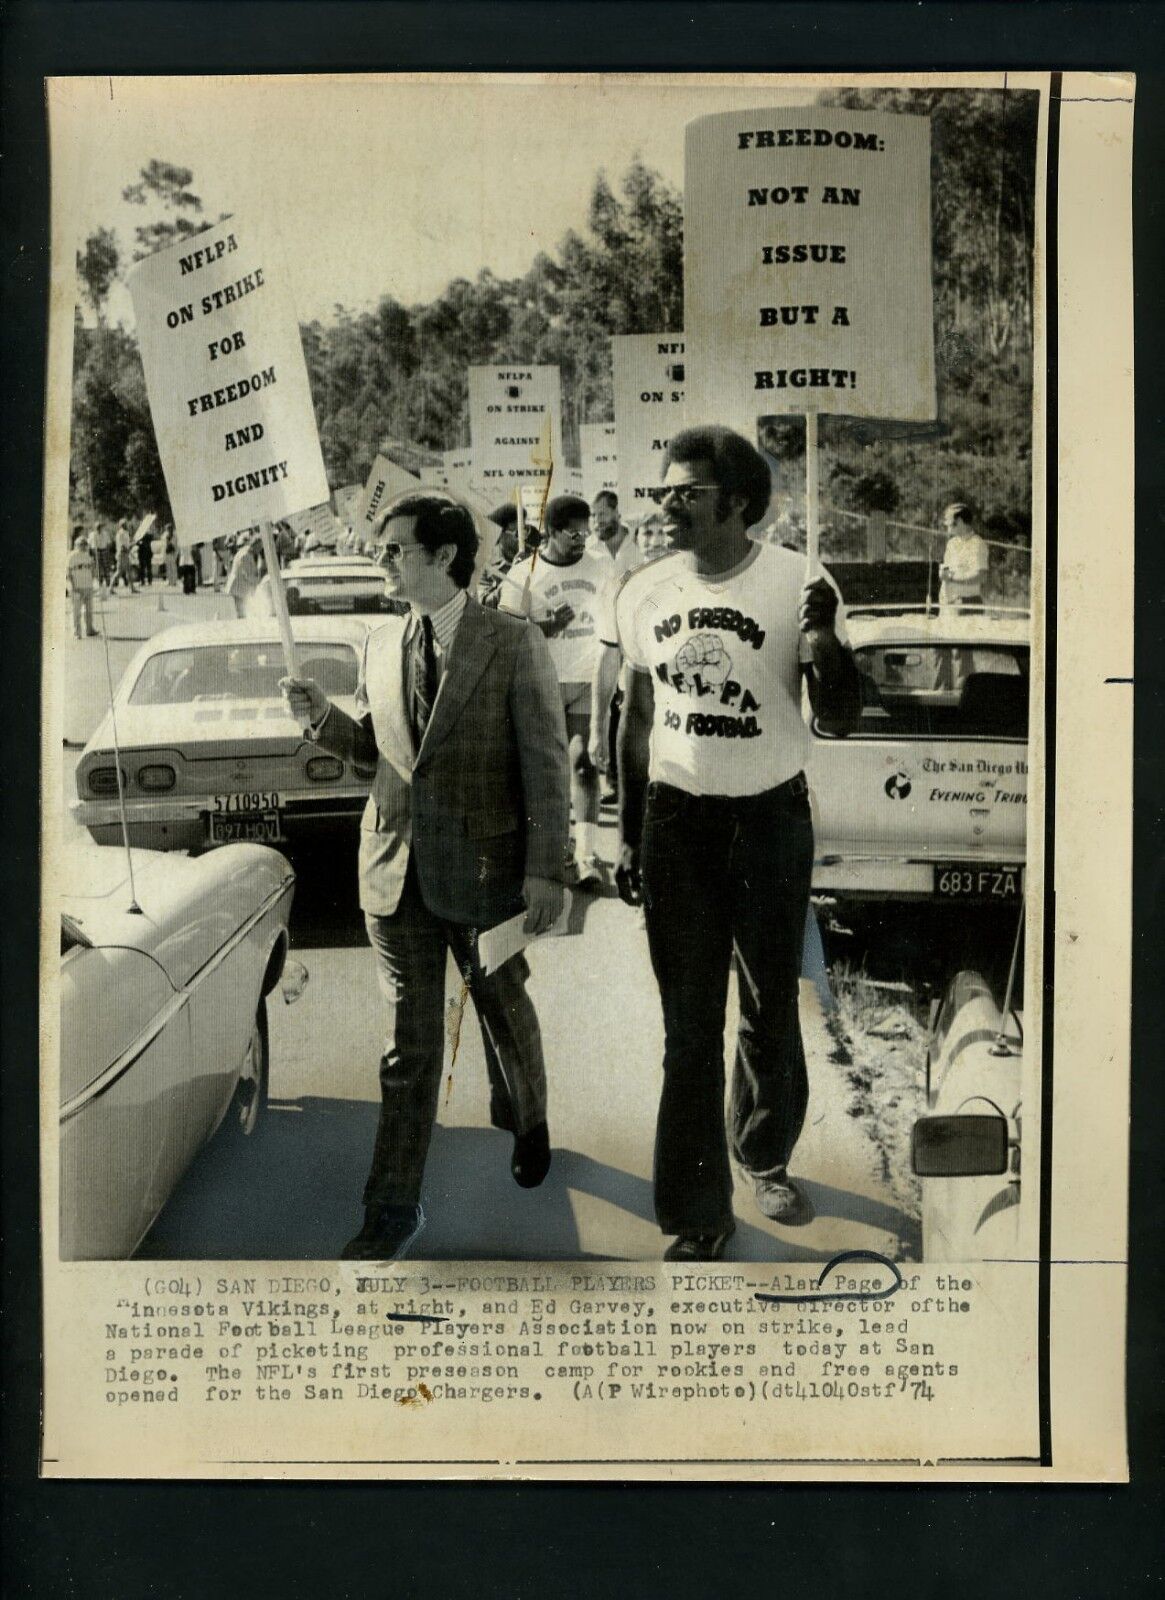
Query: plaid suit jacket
485,800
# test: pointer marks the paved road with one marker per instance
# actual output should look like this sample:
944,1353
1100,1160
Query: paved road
295,1194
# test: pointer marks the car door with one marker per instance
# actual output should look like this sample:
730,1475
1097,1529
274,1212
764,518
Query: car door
934,770
223,979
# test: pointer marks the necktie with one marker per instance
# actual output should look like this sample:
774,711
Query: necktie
424,677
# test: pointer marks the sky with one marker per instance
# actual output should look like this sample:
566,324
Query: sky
379,186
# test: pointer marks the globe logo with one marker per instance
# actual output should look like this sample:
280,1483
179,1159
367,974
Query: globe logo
898,786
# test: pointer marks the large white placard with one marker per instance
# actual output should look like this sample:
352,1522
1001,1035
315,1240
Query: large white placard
509,408
807,265
227,382
597,445
649,371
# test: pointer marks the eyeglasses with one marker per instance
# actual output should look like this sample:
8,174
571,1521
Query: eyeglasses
392,550
685,493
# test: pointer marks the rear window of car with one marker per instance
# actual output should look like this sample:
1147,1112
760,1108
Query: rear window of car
943,691
358,591
240,672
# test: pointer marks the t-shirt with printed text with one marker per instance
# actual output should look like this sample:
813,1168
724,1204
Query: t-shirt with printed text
724,653
536,586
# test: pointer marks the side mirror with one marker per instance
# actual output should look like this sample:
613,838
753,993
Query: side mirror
959,1147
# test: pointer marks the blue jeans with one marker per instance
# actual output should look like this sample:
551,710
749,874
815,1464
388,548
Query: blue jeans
725,879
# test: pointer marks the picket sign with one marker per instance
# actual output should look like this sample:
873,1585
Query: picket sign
228,390
599,463
807,271
385,482
648,384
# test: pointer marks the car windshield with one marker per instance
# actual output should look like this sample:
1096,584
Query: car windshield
240,672
943,690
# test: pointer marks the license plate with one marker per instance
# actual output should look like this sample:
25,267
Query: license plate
261,828
978,883
251,800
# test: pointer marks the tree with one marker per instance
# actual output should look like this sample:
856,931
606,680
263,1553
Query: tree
97,267
983,145
163,184
115,467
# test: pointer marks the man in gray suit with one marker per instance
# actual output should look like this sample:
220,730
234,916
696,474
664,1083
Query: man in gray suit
460,727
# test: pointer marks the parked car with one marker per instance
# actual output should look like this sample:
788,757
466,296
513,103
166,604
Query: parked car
966,1150
924,795
209,752
321,584
163,1025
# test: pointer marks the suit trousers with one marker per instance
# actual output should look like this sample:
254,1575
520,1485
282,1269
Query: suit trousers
725,879
411,948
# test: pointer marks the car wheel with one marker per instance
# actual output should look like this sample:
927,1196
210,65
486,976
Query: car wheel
251,1094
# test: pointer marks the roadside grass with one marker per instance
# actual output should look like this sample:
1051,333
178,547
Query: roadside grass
879,1033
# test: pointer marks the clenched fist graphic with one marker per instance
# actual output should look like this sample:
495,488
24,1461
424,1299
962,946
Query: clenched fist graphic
704,655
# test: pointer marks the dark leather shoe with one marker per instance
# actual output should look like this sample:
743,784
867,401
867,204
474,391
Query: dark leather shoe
704,1246
387,1233
531,1159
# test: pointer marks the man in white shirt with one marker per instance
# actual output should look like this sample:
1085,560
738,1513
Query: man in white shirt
81,577
244,576
101,544
558,588
187,571
610,534
124,556
965,562
715,831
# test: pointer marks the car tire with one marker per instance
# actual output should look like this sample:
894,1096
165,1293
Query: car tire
250,1102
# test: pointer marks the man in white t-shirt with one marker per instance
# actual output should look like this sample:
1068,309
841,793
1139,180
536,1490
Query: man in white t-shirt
966,560
244,576
558,588
610,536
80,578
715,831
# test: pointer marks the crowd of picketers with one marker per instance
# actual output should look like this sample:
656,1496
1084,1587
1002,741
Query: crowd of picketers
108,556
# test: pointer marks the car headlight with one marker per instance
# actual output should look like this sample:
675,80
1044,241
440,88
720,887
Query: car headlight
324,769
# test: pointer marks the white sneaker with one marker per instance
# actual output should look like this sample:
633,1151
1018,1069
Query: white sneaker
589,872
